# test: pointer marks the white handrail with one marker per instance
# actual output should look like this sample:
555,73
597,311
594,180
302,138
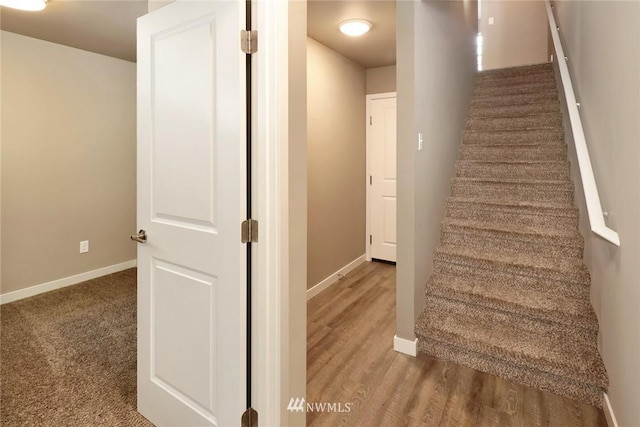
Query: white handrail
594,208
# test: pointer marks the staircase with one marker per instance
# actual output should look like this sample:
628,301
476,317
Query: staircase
509,294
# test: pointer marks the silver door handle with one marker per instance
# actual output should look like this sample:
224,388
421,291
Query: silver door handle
141,237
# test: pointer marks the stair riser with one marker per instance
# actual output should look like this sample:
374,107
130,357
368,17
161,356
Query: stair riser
514,89
543,381
512,123
489,81
496,100
551,106
517,192
589,327
550,171
548,153
515,137
522,216
485,240
579,278
531,70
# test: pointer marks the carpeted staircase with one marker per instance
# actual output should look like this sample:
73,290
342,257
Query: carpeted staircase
509,294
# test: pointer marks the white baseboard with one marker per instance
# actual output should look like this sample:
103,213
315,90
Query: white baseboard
65,281
608,412
402,345
312,292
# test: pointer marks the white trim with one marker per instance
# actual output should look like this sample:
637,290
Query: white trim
608,412
326,283
270,369
594,208
369,99
405,346
64,282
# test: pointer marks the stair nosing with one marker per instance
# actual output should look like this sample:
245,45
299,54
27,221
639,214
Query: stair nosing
512,261
494,226
433,287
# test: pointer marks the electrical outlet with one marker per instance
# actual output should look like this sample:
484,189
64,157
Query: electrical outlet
84,246
491,20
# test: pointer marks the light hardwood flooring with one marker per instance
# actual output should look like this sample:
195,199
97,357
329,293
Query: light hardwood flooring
350,360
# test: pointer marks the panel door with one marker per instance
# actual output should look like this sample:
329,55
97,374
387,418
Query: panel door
383,179
191,201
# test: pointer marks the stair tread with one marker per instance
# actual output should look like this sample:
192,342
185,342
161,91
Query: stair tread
516,204
571,267
570,235
516,162
544,345
537,303
542,90
462,179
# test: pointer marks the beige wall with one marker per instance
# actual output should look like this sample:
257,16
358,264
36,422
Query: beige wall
68,161
295,360
602,41
436,74
381,79
518,36
336,161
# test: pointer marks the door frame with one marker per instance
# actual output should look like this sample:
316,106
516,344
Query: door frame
280,203
369,110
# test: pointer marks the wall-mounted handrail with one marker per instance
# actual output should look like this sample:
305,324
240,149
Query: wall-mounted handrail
594,208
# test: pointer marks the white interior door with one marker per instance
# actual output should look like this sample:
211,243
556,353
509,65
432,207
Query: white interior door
382,176
191,201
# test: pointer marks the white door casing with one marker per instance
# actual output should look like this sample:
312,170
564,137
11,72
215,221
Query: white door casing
381,176
191,201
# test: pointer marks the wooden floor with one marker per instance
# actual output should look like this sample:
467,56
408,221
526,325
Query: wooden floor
351,361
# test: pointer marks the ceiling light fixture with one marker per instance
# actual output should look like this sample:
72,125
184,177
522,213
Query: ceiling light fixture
354,27
30,5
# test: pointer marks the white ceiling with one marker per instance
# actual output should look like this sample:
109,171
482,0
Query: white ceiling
377,48
105,27
109,27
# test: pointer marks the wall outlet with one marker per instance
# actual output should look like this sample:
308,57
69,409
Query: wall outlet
491,20
84,246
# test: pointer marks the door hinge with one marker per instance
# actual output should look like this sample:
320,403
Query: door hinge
370,120
370,179
370,239
249,231
249,41
250,418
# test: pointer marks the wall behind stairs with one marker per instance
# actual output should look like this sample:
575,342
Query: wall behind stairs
68,161
518,36
602,41
436,70
336,161
381,79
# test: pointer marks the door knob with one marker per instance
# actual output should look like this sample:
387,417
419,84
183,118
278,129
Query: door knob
141,237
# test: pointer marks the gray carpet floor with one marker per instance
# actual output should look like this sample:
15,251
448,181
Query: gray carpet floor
509,294
68,357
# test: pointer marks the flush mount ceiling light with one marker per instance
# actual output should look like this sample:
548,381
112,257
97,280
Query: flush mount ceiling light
354,27
30,5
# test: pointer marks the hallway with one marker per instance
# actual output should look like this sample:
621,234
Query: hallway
350,360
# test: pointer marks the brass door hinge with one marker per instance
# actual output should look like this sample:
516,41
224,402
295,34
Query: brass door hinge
249,231
250,418
249,41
